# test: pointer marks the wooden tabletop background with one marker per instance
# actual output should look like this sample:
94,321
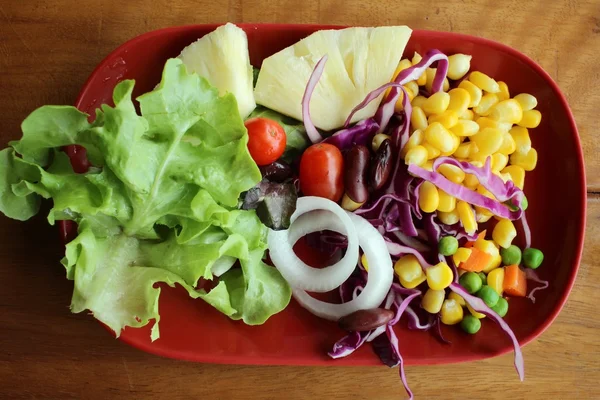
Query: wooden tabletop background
47,50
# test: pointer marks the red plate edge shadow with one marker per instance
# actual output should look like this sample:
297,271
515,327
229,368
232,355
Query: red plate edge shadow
192,330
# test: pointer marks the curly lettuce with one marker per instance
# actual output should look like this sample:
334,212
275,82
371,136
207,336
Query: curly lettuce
160,203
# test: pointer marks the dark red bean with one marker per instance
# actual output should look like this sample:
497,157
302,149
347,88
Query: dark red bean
381,166
355,176
365,320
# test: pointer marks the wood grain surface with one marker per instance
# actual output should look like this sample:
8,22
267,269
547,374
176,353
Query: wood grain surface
47,50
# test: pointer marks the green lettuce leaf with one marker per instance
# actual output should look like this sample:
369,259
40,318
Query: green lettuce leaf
159,205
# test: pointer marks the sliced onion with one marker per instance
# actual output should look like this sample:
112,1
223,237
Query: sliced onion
222,265
297,273
379,280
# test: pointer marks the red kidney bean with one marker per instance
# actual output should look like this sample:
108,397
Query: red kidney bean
381,166
365,320
355,176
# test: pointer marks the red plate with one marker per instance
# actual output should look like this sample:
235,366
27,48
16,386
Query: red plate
192,330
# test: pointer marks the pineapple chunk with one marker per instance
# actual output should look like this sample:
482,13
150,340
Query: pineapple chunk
222,58
359,61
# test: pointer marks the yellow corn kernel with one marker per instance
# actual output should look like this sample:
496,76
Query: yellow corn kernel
418,101
459,100
527,161
418,120
417,155
495,280
429,197
527,101
483,191
448,118
432,152
471,181
377,140
495,263
477,163
465,127
415,139
451,312
409,271
508,144
461,255
429,76
477,158
365,264
504,93
504,232
475,313
428,166
488,140
448,218
413,87
487,246
433,300
455,143
499,161
507,111
415,60
467,216
485,105
482,215
447,202
521,137
350,205
458,298
530,119
402,65
398,107
446,85
469,114
484,82
440,137
517,175
475,93
439,276
452,173
437,103
458,65
464,150
486,122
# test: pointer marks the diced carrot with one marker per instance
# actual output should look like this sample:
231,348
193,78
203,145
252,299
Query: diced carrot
476,261
481,235
515,281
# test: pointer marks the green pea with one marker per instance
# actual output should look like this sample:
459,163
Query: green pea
488,295
501,307
524,203
470,324
483,277
532,258
471,282
448,245
511,256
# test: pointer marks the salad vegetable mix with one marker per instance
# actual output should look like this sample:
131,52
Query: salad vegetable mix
410,172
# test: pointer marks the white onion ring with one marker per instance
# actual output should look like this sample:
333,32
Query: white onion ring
295,271
380,275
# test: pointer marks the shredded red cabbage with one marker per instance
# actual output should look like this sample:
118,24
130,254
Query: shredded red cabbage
437,324
533,276
478,305
311,131
362,133
397,250
526,231
462,193
414,322
411,242
348,344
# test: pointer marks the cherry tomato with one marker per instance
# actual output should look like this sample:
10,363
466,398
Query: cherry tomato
322,172
266,140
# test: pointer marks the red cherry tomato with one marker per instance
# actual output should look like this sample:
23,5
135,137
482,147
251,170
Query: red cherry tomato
322,172
266,140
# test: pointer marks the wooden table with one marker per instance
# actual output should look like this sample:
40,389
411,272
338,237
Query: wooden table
47,50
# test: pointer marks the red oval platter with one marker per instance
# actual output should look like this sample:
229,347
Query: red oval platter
192,330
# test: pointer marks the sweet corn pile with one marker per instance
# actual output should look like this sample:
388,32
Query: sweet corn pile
471,120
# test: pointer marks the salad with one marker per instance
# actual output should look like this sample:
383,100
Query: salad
407,173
